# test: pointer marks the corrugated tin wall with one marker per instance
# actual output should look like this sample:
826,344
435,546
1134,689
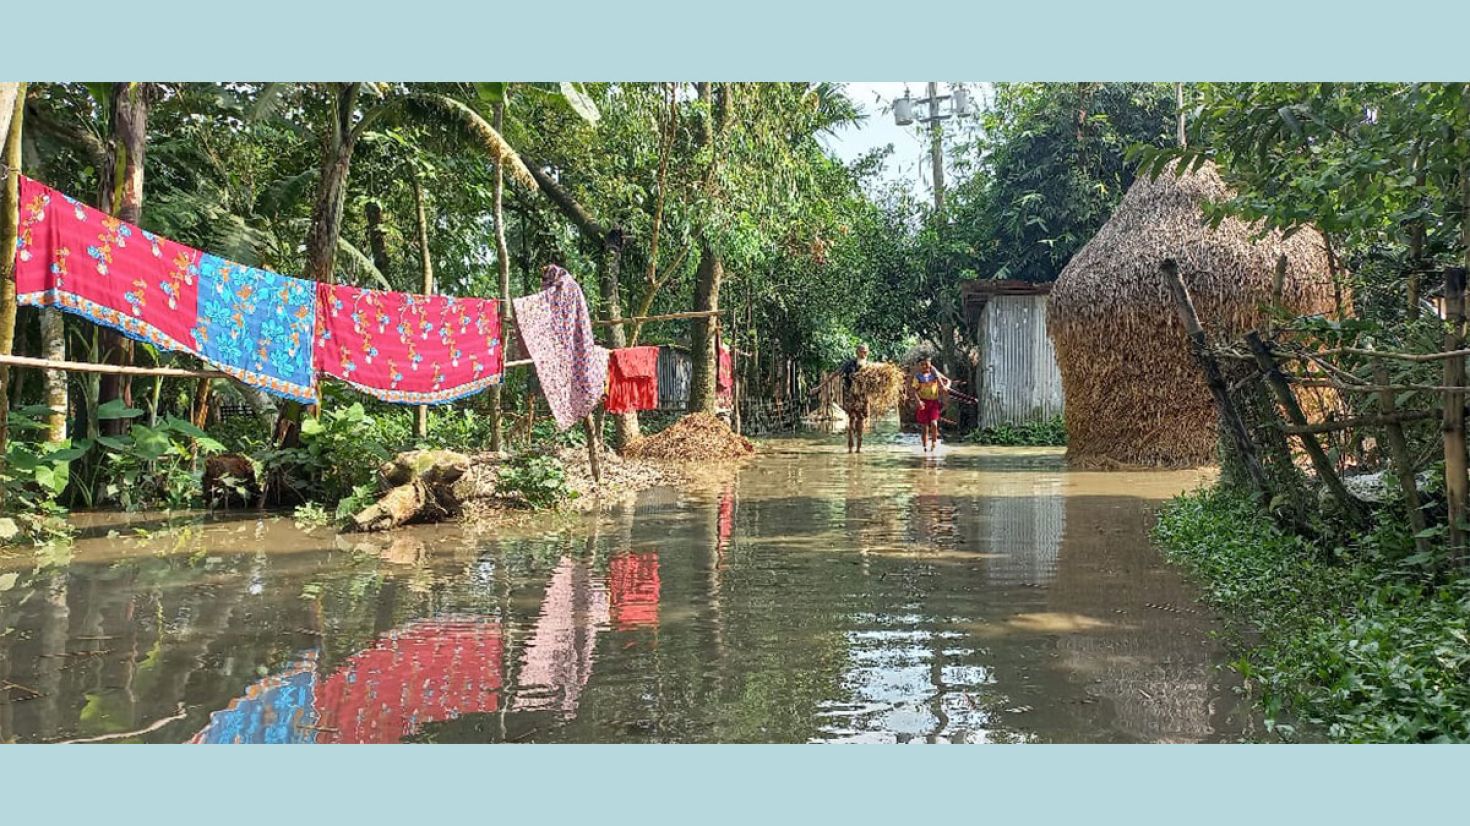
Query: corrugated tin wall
1018,376
675,372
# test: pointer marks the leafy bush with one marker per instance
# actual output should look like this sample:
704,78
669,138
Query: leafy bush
34,476
1343,639
541,481
311,515
1049,433
338,454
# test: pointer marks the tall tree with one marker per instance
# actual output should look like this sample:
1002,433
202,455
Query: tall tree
10,138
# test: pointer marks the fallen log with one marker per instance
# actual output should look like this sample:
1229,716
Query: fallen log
417,486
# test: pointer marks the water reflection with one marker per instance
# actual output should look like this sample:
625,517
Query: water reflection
972,596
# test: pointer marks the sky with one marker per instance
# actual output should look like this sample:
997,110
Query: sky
909,162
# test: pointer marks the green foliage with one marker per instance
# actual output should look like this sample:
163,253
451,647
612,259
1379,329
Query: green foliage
540,481
311,515
1051,432
338,454
1049,166
1340,638
33,477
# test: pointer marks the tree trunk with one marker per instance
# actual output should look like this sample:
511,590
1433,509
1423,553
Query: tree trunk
610,267
704,358
326,221
9,226
426,264
130,143
53,347
377,236
326,213
502,265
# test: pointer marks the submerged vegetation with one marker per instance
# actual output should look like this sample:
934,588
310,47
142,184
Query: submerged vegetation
1358,641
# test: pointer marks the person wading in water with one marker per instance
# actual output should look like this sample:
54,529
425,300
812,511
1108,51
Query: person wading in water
928,387
856,409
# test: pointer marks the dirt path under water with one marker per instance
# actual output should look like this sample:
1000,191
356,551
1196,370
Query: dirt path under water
977,595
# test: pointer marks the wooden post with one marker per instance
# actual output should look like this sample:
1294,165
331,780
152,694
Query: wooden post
1398,453
1214,379
426,267
594,445
1323,465
1456,481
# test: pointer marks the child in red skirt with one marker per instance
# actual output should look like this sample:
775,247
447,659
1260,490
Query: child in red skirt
928,386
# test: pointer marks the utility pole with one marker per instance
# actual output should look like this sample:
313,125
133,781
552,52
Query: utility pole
903,115
936,147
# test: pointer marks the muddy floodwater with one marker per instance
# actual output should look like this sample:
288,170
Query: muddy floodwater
980,595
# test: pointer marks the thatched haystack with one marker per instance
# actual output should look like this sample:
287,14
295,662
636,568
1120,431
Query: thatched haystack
1134,394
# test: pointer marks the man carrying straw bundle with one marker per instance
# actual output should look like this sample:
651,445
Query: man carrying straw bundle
854,405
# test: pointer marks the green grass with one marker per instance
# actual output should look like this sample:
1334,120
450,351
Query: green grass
1049,433
1358,642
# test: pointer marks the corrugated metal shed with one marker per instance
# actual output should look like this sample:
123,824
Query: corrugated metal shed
675,372
1017,379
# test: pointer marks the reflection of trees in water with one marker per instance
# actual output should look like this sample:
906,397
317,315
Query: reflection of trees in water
1152,658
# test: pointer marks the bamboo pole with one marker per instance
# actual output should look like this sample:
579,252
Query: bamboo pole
1214,379
643,319
1393,419
110,369
1294,414
1456,481
1403,466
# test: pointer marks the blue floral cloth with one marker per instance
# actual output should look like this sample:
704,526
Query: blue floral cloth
258,326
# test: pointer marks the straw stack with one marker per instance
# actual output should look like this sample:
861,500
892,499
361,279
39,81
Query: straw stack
698,437
1134,394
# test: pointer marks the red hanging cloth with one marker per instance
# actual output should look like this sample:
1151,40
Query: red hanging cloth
632,380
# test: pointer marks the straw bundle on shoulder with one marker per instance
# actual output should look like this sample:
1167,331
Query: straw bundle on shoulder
1134,395
876,389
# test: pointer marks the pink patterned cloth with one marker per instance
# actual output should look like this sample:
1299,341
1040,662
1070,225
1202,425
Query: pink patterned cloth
406,348
108,271
557,333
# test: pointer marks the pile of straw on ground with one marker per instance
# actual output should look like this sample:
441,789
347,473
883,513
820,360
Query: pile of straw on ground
876,389
1133,392
698,437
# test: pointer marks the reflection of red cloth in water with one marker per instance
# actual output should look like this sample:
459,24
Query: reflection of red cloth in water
632,380
558,658
422,673
727,519
633,590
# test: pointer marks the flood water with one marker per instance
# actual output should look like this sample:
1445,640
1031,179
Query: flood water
981,595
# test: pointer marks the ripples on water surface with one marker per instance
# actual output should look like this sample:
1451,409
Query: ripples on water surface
984,595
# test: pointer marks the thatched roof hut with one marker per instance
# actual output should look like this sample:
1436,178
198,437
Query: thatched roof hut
1134,395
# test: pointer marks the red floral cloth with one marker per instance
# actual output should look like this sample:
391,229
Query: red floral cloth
406,348
632,380
86,262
